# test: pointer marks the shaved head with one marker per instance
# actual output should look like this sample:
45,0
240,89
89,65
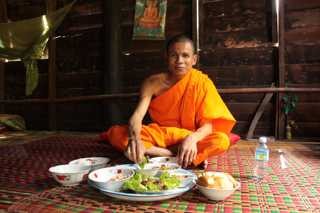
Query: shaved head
180,38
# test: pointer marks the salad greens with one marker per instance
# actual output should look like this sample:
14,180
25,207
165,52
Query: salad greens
144,183
143,162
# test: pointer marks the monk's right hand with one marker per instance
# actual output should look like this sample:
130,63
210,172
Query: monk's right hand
135,150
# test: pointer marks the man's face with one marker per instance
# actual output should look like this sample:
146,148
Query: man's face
181,59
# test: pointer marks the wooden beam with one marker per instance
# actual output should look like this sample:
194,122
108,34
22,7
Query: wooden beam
135,95
267,89
258,114
52,75
271,21
3,11
195,24
280,118
3,18
274,21
112,77
2,85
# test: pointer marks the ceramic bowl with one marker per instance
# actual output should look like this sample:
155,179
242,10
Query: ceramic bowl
93,162
219,193
163,160
110,178
69,175
152,169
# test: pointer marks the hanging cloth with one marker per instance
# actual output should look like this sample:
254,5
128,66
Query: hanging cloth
27,39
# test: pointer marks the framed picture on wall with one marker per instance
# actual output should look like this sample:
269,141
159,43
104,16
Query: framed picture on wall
149,20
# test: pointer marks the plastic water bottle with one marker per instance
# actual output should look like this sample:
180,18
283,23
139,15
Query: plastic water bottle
261,158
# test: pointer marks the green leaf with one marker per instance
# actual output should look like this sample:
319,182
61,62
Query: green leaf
144,183
144,162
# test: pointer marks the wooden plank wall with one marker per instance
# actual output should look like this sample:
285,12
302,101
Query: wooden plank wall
35,115
141,58
237,51
302,37
3,18
79,67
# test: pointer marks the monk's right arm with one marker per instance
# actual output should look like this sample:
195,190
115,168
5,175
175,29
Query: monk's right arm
135,149
135,122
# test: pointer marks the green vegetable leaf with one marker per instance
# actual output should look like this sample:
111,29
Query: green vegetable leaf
169,181
134,183
143,183
144,162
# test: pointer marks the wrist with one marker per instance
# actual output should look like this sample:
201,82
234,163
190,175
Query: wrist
194,136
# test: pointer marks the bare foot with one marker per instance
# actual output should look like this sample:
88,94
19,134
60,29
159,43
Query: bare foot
158,151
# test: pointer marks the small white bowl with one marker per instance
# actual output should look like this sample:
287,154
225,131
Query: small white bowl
219,193
110,178
69,175
93,162
152,169
163,160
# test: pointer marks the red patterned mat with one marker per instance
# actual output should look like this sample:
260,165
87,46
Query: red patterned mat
24,166
295,189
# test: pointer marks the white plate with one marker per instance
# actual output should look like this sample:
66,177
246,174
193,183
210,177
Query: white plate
188,183
93,162
143,197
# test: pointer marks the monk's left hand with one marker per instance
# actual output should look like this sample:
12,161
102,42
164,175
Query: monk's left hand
187,151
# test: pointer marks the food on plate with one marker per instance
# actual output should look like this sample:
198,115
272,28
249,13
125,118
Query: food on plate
120,175
216,180
146,183
165,166
153,169
144,162
163,160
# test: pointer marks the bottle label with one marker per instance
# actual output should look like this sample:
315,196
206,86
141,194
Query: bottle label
262,155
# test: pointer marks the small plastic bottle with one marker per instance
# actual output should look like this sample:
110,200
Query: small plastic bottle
261,158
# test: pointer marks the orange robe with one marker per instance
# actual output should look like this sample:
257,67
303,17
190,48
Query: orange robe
176,113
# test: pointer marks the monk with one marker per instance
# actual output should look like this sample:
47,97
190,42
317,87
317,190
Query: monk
186,111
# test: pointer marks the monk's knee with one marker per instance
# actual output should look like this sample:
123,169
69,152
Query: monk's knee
221,140
117,136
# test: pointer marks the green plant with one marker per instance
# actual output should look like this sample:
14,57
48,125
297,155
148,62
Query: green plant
289,103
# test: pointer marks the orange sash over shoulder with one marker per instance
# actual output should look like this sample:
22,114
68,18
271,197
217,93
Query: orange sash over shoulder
190,103
176,113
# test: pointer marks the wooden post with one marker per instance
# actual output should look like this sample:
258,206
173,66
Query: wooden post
273,37
195,24
280,119
52,75
258,114
272,21
112,59
3,18
2,85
